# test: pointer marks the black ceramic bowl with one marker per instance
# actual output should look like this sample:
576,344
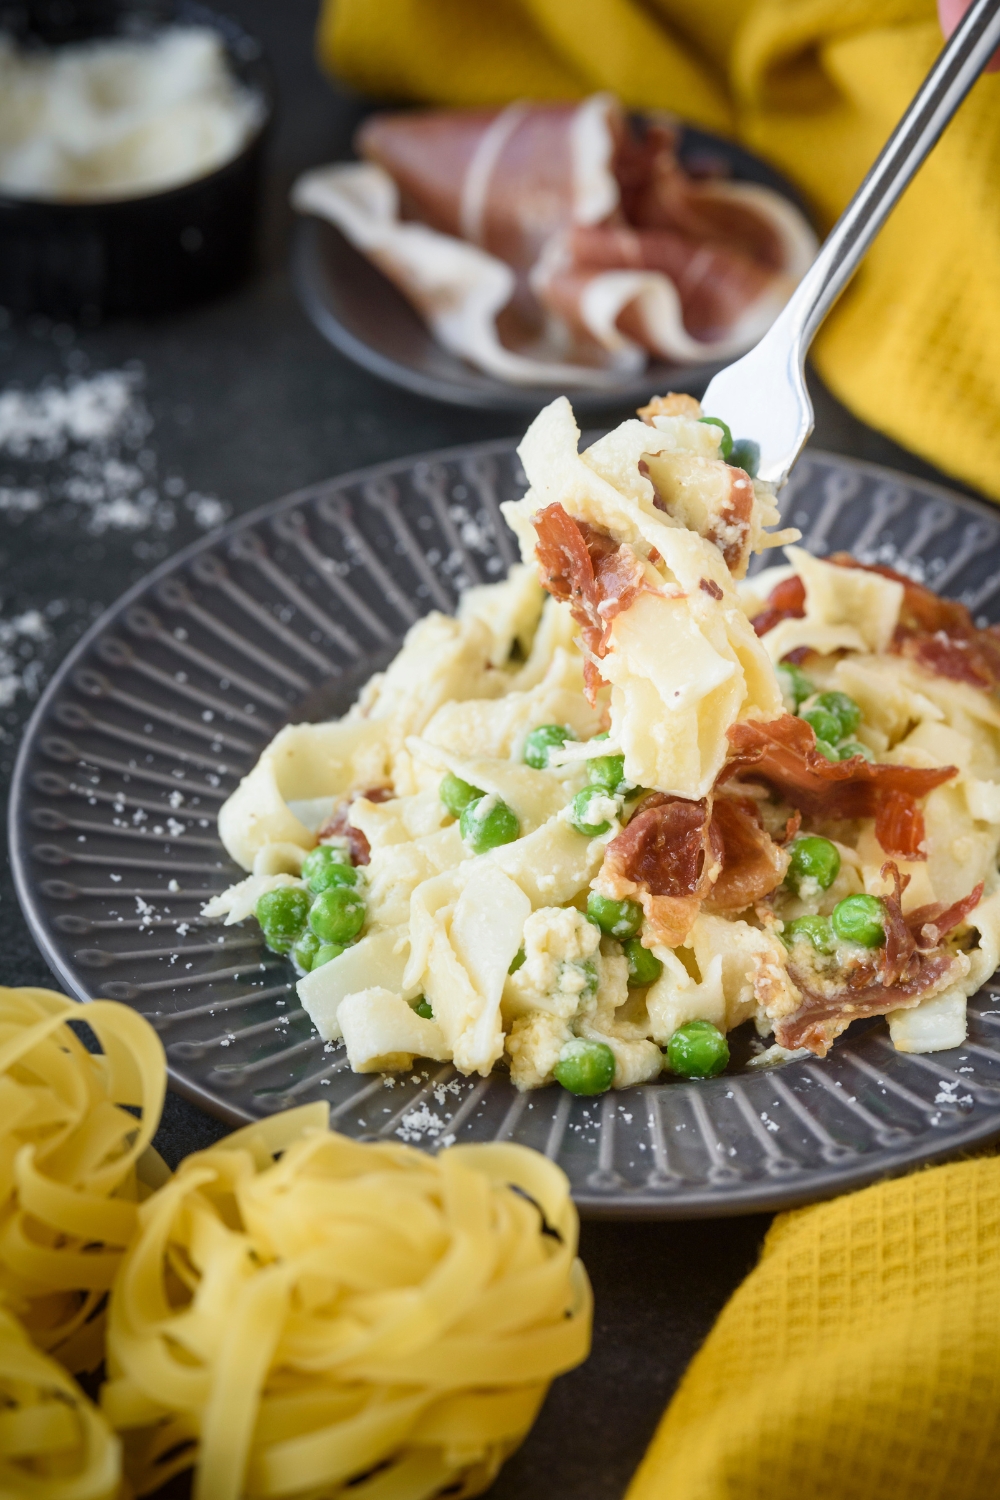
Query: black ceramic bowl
91,260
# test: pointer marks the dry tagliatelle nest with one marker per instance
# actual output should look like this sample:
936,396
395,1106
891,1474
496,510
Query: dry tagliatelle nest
349,1319
75,1159
292,1314
54,1443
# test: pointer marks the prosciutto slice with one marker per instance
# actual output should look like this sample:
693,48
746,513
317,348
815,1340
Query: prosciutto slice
782,753
556,243
668,858
939,634
675,855
786,601
753,865
657,194
595,575
339,826
679,298
715,282
506,180
821,1017
911,967
929,924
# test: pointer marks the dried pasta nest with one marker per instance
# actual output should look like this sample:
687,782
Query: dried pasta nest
347,1319
54,1443
75,1159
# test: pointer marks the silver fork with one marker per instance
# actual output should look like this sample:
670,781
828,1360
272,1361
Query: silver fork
763,396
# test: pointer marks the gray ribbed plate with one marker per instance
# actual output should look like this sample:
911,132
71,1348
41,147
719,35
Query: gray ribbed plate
172,695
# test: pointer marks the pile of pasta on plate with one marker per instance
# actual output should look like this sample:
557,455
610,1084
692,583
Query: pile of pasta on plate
629,800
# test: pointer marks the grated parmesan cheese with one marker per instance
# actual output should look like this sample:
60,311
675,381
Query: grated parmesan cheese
119,118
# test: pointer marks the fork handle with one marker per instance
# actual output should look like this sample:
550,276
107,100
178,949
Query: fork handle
958,65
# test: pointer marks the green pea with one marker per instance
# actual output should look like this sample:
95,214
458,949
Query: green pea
826,726
726,441
643,967
816,929
813,858
423,1008
282,915
582,817
541,741
795,685
325,866
697,1050
844,709
828,752
860,919
305,950
488,823
325,952
517,961
585,1067
745,455
337,915
850,748
619,919
457,794
607,773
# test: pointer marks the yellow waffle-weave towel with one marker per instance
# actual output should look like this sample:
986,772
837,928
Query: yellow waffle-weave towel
816,87
860,1360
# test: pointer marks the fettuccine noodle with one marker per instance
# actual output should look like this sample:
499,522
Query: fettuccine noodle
348,1319
69,1152
54,1444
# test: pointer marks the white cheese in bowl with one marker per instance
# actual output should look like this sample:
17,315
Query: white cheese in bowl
120,118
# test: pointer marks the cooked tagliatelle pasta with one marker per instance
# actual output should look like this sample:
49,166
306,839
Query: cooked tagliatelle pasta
54,1443
629,800
356,1320
72,1153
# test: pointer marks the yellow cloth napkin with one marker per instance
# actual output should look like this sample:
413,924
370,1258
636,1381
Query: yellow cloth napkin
816,87
860,1360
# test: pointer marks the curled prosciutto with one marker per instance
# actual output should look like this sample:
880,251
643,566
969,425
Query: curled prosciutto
939,634
753,864
786,601
597,576
913,965
563,242
782,754
675,855
339,826
668,858
591,572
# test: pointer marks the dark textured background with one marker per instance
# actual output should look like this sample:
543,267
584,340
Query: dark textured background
248,403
